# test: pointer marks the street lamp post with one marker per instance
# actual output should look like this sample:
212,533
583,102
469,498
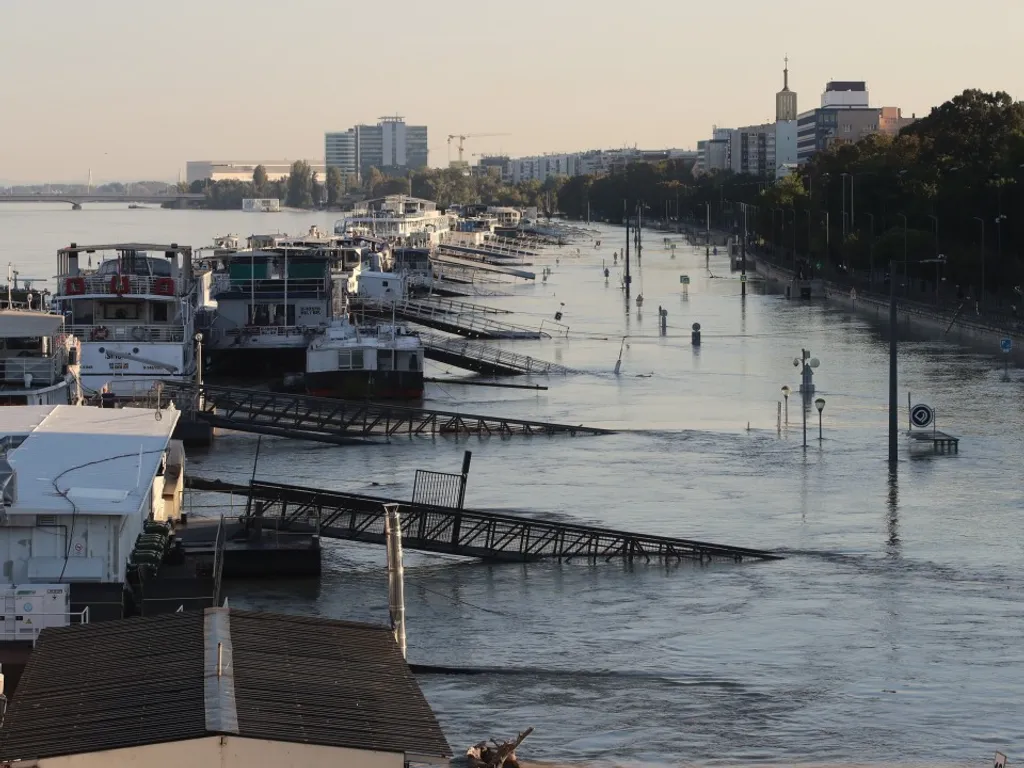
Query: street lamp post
785,395
820,405
844,175
871,251
981,293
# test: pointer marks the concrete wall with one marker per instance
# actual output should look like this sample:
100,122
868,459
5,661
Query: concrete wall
226,752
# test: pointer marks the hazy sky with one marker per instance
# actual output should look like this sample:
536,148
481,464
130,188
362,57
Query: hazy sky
134,88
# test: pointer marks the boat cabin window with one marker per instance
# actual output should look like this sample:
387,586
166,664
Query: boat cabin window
122,311
350,359
271,314
160,312
413,363
136,263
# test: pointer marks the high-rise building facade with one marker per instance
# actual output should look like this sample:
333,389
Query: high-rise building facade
388,144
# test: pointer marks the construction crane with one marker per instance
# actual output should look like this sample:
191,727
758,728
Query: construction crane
462,138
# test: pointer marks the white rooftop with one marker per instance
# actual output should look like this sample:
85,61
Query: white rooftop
95,461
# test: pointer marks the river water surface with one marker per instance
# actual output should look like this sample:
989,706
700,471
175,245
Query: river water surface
893,631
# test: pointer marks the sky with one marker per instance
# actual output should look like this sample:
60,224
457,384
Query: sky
133,89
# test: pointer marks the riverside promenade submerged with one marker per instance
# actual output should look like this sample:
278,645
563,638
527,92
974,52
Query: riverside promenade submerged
962,324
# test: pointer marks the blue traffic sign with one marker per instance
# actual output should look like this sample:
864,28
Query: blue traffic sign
1006,345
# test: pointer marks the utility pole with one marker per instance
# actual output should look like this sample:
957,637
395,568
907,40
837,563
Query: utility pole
893,408
628,279
743,256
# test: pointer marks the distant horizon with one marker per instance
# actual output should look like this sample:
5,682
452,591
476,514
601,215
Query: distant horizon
551,78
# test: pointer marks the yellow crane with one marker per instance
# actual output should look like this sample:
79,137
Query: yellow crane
462,138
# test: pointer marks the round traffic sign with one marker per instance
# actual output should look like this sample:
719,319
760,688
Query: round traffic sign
921,415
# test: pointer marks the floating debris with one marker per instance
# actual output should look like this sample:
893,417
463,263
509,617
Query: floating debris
495,755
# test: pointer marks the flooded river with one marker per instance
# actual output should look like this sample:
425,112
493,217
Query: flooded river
892,632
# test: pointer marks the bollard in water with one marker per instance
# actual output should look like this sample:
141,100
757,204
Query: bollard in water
695,335
663,315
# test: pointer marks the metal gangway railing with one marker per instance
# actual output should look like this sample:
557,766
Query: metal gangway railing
486,358
470,533
461,323
462,307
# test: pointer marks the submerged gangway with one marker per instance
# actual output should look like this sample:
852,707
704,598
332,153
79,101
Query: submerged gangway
432,315
461,307
485,358
339,421
471,533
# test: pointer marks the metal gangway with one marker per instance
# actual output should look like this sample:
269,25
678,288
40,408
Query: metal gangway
485,358
432,315
342,421
467,532
462,307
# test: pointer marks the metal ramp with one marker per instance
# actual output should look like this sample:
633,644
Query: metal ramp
485,358
461,307
468,324
340,421
471,533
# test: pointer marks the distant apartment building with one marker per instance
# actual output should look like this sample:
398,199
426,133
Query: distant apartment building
845,115
390,144
240,170
593,162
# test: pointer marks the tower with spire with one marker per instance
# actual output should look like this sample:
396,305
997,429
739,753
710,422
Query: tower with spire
785,100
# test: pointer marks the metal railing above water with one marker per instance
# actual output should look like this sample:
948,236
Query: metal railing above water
122,331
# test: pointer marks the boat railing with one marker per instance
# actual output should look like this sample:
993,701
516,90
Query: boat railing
121,285
21,631
44,369
226,285
269,330
128,331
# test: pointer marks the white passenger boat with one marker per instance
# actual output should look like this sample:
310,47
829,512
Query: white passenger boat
38,361
133,312
402,220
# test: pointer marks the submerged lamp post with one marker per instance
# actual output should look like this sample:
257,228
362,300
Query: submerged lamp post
785,394
820,405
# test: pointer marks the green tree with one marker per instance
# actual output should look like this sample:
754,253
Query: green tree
300,185
335,183
259,179
372,181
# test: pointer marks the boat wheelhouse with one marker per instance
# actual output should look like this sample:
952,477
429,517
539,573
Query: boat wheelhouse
38,361
133,312
269,303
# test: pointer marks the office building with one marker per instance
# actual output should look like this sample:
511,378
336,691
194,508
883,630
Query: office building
844,117
390,144
241,170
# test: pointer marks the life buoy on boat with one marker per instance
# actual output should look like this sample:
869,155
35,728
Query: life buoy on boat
74,286
164,286
98,334
120,284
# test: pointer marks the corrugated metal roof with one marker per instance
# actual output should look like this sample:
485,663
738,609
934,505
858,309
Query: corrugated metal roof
296,679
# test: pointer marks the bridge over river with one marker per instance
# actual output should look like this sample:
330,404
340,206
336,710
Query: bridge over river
180,199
